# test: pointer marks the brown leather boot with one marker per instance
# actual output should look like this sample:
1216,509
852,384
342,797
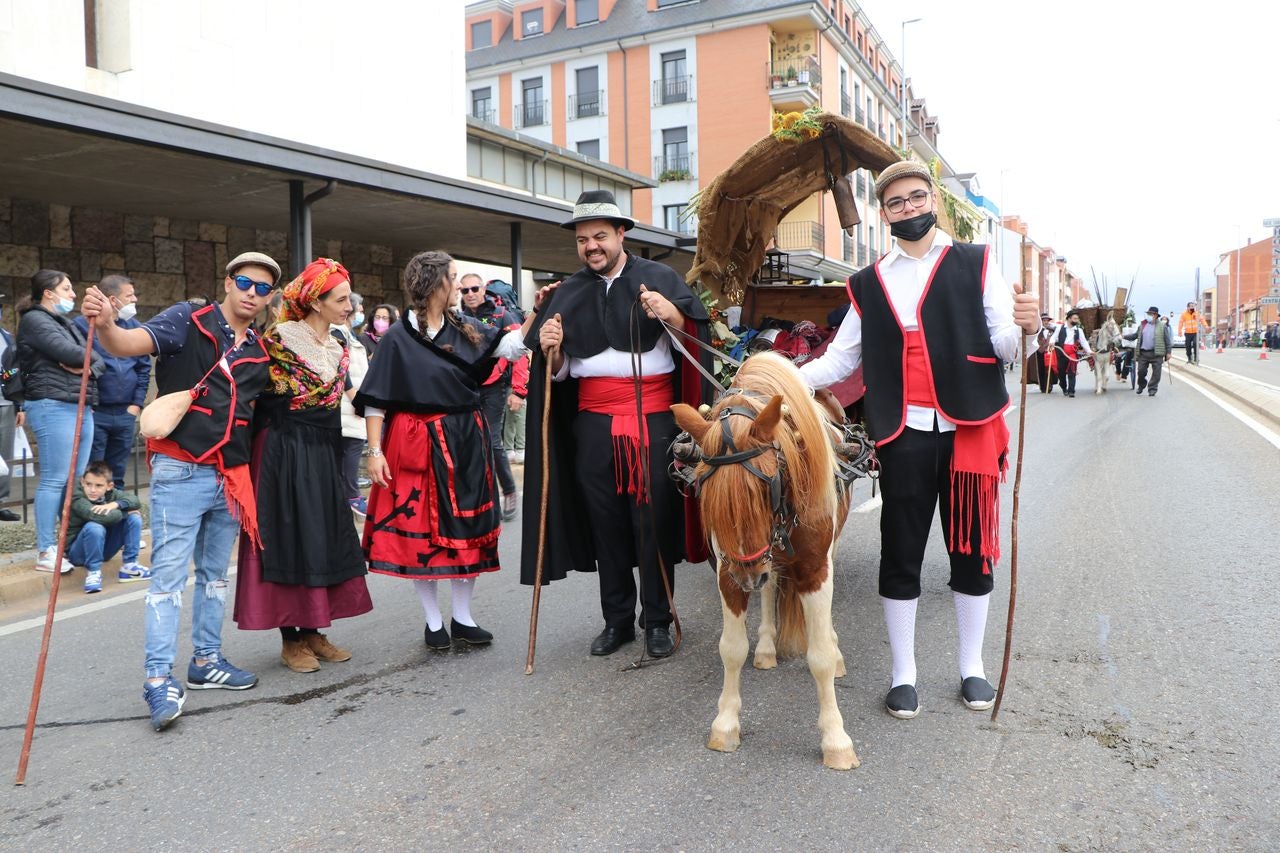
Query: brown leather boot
324,650
298,657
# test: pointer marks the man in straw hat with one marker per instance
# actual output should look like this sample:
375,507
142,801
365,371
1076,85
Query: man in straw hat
201,492
932,321
599,331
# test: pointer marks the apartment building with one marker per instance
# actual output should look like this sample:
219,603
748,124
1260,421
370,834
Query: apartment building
676,91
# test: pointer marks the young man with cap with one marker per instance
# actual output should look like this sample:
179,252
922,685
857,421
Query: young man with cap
1070,346
1154,341
1043,366
930,324
201,493
599,331
1189,324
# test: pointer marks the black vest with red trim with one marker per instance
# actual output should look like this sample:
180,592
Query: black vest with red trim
968,382
220,417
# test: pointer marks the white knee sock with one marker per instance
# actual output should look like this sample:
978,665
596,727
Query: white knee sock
430,606
462,589
971,619
900,619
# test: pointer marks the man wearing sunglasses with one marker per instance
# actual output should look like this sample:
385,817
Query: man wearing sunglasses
932,321
201,494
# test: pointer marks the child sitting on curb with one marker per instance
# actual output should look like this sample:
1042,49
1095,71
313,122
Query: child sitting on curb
104,520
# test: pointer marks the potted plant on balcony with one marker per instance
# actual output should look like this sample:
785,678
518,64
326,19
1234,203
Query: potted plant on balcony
674,175
791,77
776,81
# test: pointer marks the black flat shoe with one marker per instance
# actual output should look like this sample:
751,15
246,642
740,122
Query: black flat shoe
977,693
471,634
610,640
9,515
903,702
437,639
658,642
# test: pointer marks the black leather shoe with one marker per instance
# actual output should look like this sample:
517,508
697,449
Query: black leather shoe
9,515
658,642
437,639
470,634
610,640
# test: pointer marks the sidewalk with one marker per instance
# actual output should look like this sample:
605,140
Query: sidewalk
1258,398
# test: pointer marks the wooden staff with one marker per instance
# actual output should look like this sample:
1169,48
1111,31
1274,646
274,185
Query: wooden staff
542,518
57,563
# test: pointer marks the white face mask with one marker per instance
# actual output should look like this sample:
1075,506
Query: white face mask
1151,318
65,306
127,312
357,318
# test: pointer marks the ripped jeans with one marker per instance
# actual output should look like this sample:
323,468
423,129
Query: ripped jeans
189,519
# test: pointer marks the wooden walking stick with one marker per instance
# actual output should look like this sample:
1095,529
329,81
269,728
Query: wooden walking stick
542,520
57,563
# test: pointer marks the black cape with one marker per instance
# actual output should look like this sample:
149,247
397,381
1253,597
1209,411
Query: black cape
414,373
594,322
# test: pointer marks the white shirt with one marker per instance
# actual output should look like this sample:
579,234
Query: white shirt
905,278
1075,335
617,363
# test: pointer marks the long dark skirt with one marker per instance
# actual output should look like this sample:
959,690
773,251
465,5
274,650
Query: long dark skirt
310,570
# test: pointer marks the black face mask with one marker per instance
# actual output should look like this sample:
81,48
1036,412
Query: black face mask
914,228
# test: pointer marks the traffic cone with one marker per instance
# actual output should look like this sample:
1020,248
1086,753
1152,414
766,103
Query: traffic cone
1262,356
1219,344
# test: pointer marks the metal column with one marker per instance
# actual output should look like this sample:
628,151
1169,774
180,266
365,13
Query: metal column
300,223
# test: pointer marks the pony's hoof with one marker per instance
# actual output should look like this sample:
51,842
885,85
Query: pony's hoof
840,758
764,660
727,741
840,671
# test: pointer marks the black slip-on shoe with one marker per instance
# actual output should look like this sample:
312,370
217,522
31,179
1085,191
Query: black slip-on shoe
977,693
902,702
437,639
471,634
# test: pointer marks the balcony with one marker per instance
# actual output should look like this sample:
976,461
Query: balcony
862,254
846,106
858,115
804,236
846,247
673,90
586,104
490,116
669,169
871,126
530,114
861,182
794,82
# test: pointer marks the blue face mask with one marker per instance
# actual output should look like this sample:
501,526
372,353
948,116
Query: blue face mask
65,306
357,319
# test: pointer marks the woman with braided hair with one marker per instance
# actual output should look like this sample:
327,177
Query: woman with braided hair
434,509
309,569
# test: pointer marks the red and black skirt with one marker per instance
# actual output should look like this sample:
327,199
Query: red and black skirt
440,516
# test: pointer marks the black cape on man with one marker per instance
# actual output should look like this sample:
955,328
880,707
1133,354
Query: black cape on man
594,321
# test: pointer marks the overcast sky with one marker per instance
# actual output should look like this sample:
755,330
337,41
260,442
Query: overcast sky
1132,136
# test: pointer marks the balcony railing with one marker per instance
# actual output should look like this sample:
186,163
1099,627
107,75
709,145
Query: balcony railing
846,247
491,116
846,106
799,236
586,104
858,114
667,169
673,90
871,126
862,254
861,181
530,114
795,72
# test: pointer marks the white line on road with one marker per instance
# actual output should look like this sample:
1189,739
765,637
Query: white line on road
1268,434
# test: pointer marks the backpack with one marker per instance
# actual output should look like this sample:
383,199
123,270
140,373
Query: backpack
11,374
504,294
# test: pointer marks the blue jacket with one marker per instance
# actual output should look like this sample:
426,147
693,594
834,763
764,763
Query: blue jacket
126,380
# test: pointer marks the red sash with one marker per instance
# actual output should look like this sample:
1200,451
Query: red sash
617,397
237,485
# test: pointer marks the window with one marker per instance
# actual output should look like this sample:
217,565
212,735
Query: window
675,155
481,34
589,148
675,82
587,99
532,111
587,12
673,218
482,104
848,26
531,22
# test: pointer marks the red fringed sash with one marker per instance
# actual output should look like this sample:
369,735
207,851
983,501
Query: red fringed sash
237,485
617,397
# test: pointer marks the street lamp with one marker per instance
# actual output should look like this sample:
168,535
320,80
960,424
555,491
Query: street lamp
905,143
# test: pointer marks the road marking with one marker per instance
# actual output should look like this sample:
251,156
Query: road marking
1267,434
86,609
1239,376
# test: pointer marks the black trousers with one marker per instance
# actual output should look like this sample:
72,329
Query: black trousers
915,479
622,530
1042,377
1193,351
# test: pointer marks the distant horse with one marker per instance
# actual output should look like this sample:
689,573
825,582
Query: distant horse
769,501
1104,341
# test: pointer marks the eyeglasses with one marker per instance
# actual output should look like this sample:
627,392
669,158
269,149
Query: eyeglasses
897,203
475,289
261,288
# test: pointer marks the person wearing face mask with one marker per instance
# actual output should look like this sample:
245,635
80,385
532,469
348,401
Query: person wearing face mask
122,388
932,321
1154,340
51,358
1189,325
308,569
383,317
1070,346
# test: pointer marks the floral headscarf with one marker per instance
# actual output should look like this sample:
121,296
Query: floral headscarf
320,276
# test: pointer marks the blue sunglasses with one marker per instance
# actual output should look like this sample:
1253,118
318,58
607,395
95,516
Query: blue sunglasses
261,288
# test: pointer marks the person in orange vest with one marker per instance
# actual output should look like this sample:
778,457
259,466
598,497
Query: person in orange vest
1189,325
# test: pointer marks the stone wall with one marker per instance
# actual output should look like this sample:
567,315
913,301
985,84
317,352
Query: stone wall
169,259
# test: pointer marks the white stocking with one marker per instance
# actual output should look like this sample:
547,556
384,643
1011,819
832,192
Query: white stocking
430,606
900,619
462,589
971,620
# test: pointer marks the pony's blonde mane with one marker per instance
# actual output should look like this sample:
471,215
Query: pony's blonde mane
802,436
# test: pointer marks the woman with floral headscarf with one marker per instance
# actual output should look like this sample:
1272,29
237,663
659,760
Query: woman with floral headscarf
310,569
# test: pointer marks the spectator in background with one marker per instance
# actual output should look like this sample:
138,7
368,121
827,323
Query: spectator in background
353,424
122,388
513,421
382,319
11,417
1189,325
51,358
104,521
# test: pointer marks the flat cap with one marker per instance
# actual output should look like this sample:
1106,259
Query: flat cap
901,169
256,259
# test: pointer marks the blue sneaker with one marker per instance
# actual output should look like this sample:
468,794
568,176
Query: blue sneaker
165,701
93,582
131,572
219,673
360,506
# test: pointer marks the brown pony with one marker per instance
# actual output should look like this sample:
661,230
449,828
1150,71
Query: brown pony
771,508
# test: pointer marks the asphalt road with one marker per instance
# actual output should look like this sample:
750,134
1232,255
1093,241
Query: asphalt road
1140,709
